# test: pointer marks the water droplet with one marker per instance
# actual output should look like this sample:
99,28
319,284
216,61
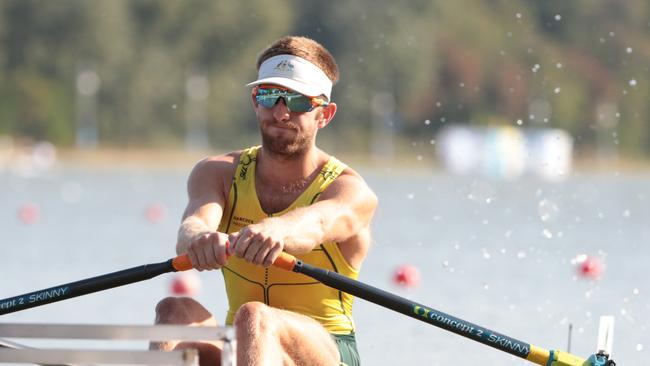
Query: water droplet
557,90
579,259
635,291
410,196
521,255
427,122
629,50
558,65
174,106
486,286
633,82
558,17
547,233
520,122
639,347
626,213
547,210
518,15
508,233
432,142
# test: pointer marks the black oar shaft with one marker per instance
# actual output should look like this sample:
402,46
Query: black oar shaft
84,287
415,310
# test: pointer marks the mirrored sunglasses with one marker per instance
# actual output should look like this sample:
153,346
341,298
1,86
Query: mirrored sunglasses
268,95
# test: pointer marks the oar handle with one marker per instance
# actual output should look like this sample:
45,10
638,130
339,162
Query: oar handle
285,261
182,263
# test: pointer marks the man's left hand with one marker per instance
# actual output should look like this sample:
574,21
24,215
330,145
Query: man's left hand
259,243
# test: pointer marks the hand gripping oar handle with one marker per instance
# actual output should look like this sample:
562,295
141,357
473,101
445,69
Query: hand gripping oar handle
94,284
426,314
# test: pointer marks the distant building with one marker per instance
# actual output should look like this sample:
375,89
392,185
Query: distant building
506,152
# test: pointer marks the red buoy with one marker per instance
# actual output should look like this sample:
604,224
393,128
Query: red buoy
186,284
591,267
29,214
406,276
155,213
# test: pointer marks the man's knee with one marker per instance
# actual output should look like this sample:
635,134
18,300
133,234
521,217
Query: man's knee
255,317
180,310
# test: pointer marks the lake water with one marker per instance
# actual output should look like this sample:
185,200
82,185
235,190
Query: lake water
495,253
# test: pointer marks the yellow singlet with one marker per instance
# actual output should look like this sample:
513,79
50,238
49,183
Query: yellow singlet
276,287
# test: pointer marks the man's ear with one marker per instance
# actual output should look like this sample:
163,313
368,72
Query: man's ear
327,115
253,99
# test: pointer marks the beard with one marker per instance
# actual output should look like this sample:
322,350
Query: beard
290,145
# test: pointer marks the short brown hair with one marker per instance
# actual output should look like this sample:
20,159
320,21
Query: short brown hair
306,48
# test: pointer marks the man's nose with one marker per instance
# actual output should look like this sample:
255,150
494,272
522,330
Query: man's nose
280,110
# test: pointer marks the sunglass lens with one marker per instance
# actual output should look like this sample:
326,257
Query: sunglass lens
267,101
298,103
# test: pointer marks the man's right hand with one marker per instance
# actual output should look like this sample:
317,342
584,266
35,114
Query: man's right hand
208,251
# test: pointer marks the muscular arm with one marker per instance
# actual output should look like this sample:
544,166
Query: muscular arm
343,212
207,187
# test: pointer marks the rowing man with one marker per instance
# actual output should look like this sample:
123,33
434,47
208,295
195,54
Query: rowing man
246,207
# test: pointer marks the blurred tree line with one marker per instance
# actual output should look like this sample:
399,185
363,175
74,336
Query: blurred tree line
410,66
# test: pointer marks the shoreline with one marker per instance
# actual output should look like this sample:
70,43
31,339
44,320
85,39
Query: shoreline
179,159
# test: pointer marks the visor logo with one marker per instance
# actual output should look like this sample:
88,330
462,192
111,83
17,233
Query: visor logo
284,66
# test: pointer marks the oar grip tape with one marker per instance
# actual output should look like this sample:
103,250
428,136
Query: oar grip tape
285,261
182,263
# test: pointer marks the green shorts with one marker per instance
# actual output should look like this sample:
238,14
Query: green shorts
347,345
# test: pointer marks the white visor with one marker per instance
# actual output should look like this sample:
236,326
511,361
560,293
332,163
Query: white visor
295,73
